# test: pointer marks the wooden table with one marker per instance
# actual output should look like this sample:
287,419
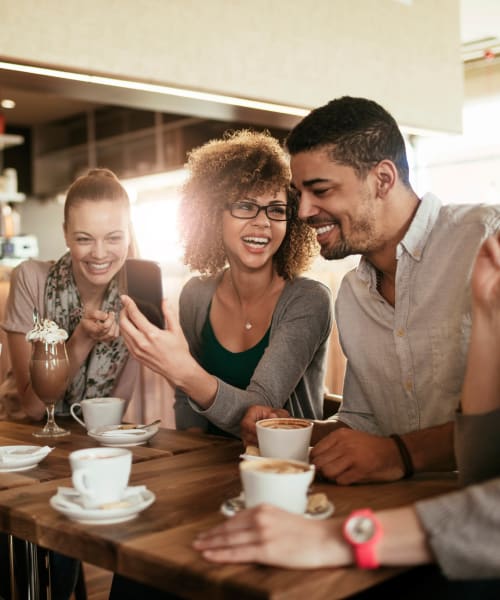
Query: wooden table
56,465
166,442
155,548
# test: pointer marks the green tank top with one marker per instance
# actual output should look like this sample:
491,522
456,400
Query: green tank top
235,368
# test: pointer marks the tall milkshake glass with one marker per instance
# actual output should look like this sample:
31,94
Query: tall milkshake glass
49,372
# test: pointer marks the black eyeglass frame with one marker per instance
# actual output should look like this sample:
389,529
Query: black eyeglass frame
289,210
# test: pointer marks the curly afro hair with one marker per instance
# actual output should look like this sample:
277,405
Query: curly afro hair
242,163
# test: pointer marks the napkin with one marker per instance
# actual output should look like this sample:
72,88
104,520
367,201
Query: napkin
70,498
122,432
12,455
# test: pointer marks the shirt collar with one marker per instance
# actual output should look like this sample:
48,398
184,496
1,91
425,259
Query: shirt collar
420,228
415,238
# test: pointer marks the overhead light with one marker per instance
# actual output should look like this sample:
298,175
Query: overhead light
284,109
157,88
7,103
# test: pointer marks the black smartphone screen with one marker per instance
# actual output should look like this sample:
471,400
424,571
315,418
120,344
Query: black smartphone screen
142,282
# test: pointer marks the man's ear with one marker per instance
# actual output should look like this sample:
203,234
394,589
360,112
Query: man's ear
386,176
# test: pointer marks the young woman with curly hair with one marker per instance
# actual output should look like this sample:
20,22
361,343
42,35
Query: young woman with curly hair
252,331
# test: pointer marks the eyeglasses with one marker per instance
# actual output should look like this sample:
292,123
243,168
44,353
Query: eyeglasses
245,209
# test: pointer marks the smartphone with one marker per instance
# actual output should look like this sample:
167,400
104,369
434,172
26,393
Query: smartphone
141,280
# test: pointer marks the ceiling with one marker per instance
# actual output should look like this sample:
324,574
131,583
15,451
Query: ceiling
480,29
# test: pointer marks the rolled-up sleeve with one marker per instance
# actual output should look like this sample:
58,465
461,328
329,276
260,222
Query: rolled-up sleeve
477,446
463,531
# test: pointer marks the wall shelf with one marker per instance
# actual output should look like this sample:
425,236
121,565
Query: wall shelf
18,197
7,140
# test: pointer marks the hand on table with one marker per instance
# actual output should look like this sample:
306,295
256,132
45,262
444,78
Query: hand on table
349,456
271,536
256,413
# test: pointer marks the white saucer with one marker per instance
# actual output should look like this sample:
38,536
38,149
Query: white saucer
21,458
112,435
136,499
258,456
232,506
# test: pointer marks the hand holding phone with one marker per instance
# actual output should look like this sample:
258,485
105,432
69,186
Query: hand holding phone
141,280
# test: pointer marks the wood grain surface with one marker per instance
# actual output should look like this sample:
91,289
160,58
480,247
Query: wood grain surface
156,547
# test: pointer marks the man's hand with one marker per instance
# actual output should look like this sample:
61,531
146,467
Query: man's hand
256,413
349,456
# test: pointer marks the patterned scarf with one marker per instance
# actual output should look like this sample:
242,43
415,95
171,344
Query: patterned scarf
97,375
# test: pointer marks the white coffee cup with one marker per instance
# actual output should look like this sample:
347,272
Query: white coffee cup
283,483
99,411
100,475
284,438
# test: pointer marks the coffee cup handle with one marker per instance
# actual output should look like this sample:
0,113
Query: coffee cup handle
78,478
71,409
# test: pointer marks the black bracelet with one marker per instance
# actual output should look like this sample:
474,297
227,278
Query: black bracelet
405,456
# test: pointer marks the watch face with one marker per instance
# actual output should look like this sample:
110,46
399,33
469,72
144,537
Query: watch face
360,529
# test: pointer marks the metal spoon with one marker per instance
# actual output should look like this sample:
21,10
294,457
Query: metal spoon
132,426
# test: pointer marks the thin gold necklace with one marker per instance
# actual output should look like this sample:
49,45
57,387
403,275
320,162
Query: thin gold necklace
248,325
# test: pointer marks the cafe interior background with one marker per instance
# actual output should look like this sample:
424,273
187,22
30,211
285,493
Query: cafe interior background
133,87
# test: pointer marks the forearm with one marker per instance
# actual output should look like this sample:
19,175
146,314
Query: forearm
481,387
19,351
431,449
404,541
79,346
199,385
31,403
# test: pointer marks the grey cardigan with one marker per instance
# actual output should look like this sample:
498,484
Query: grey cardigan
464,527
291,371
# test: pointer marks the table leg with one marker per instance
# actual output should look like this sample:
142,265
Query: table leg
10,542
32,569
33,583
48,588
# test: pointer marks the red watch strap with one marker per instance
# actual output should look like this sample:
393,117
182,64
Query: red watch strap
364,552
365,555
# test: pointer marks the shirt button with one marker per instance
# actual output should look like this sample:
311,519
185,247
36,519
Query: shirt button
409,385
400,332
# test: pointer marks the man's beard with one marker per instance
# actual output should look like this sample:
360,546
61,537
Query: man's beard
340,250
343,247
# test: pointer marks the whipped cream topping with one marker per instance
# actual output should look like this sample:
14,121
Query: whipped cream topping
47,331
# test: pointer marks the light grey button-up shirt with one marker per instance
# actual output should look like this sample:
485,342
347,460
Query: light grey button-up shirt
405,364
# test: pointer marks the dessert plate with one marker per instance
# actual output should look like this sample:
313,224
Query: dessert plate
234,505
21,458
136,499
112,435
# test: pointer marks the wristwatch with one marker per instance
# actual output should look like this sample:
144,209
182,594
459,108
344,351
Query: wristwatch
363,530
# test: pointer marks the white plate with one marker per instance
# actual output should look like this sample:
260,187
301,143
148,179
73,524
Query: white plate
232,506
21,458
112,435
137,499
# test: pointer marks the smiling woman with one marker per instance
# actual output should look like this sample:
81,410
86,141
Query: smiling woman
80,293
252,331
240,320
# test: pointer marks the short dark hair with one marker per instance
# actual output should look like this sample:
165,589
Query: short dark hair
357,132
